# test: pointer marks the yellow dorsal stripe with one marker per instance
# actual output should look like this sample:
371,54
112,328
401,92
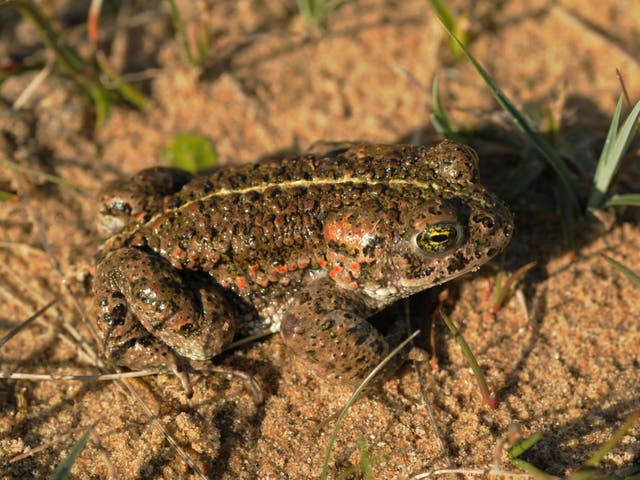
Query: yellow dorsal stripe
300,183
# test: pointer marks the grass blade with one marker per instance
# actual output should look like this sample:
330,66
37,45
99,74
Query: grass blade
6,196
69,60
611,135
444,13
447,17
532,470
614,441
502,290
132,95
519,449
533,137
438,117
63,470
488,396
180,33
365,459
315,12
81,71
15,330
626,271
630,199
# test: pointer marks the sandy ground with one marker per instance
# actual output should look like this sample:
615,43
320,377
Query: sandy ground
565,362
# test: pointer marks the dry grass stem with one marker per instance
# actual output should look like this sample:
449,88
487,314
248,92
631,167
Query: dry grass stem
470,471
15,330
81,378
26,94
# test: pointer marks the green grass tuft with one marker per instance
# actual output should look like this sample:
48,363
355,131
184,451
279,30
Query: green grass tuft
80,70
588,470
613,151
564,189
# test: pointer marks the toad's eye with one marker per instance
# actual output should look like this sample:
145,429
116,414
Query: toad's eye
439,237
117,207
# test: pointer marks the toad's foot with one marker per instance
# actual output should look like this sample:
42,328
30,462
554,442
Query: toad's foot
146,311
327,329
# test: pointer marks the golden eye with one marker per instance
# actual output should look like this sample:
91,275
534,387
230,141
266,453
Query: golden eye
439,237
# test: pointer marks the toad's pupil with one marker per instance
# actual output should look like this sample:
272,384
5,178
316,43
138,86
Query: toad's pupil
441,237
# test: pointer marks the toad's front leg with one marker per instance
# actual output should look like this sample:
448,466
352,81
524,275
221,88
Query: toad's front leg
151,315
327,327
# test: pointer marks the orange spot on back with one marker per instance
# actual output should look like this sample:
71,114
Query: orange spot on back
302,264
343,232
335,271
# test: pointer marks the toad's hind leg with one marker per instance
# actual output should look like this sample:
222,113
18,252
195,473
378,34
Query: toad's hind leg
145,306
327,328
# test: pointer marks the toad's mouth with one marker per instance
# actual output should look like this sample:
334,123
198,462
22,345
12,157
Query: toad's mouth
417,284
405,287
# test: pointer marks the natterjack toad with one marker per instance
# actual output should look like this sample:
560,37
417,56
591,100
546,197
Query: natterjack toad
309,246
